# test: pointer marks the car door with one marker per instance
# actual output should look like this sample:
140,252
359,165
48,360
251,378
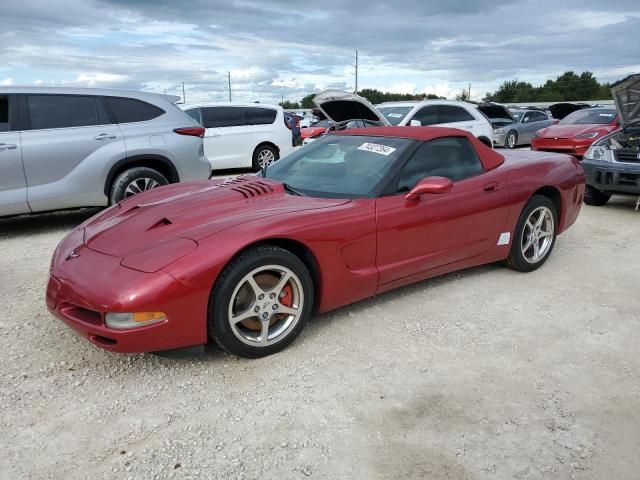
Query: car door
227,140
457,117
13,184
435,230
66,142
528,126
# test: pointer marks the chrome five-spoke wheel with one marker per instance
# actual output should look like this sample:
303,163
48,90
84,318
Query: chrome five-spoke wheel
537,235
266,305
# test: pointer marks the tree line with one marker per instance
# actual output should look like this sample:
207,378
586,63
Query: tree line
568,87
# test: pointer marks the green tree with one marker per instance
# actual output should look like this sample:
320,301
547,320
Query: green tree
287,105
307,102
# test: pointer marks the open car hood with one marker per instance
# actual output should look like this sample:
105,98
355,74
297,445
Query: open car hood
626,95
562,109
339,106
494,111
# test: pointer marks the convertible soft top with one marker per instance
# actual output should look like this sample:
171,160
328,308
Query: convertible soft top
490,158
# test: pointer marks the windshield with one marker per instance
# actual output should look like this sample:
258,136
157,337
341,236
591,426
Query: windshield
517,114
394,115
338,166
594,116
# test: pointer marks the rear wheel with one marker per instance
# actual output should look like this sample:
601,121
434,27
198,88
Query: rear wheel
595,197
133,181
263,156
535,235
511,140
261,302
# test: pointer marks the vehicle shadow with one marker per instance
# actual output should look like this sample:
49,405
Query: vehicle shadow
44,222
621,202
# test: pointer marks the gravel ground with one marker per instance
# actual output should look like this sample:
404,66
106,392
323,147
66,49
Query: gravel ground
482,374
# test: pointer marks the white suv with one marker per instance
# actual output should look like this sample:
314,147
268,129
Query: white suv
340,106
242,135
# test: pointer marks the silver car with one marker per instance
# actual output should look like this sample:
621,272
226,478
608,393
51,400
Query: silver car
514,127
78,147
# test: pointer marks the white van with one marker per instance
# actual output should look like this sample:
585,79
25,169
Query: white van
251,135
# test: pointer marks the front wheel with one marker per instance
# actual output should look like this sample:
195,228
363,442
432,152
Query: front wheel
535,235
511,141
260,302
595,197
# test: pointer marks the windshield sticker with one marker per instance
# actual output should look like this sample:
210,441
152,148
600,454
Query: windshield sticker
608,115
395,115
377,148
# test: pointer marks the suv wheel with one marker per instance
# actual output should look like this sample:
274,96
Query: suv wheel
263,156
595,197
134,181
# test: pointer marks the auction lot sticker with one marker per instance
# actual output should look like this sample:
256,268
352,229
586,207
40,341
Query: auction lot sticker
376,148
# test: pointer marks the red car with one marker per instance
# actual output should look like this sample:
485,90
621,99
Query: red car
246,262
575,133
316,129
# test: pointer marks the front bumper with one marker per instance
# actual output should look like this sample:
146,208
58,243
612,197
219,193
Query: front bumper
569,146
82,289
498,139
613,177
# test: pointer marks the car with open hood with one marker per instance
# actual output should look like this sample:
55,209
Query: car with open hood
343,107
612,163
575,133
513,127
246,262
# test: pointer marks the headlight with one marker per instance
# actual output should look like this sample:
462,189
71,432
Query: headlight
498,130
599,153
133,320
588,135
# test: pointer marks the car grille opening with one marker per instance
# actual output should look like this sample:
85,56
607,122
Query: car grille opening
628,155
81,314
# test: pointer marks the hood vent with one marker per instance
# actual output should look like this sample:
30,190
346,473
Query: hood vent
248,188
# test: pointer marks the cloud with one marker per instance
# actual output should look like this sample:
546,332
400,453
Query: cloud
6,82
274,49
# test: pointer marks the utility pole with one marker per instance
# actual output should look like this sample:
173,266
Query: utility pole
229,78
469,97
184,99
356,73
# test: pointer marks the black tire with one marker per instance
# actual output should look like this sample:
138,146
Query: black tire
263,149
137,176
595,197
218,322
513,134
516,259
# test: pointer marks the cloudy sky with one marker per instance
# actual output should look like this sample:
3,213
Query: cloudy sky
281,48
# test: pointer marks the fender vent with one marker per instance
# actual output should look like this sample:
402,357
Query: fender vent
248,188
160,223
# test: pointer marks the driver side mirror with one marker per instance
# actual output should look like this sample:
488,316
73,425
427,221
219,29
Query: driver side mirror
415,123
437,185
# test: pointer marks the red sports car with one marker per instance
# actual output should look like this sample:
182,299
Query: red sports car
246,262
575,133
316,129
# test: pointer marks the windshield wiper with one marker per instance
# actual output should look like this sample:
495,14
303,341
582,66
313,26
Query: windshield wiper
292,190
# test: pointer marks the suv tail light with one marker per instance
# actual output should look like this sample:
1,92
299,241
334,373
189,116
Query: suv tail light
191,131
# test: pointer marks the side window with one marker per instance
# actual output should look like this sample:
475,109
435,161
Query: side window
4,114
427,115
65,111
453,158
528,117
539,116
260,116
453,113
213,117
195,114
130,110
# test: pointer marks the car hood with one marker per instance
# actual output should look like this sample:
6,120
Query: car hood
339,106
495,111
626,95
570,131
186,213
562,109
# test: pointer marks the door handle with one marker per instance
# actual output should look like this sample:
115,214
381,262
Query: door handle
491,187
7,146
105,136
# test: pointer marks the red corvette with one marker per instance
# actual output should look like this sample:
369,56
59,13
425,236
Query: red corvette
247,261
575,133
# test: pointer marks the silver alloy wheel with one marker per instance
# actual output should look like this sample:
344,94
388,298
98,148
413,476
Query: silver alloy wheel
140,185
265,158
266,305
511,140
537,235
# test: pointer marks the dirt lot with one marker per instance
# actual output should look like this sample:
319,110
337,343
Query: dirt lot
483,374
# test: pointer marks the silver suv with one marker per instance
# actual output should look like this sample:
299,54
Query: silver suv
79,147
